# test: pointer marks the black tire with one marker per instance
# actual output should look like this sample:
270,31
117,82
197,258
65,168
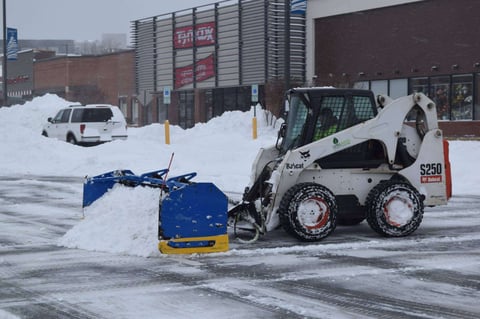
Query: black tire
71,139
308,211
44,133
394,208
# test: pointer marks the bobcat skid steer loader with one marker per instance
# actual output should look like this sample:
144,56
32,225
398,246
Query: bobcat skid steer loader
341,159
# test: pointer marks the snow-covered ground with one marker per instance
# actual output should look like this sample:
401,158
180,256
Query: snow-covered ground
122,224
220,151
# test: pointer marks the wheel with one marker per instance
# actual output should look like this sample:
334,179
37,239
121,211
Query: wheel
71,139
44,133
308,211
394,208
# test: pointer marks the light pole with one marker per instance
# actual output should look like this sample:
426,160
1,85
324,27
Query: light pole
286,66
4,60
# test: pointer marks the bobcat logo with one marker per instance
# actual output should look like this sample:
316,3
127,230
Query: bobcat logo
294,166
305,155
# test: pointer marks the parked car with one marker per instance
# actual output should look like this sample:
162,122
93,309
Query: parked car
87,124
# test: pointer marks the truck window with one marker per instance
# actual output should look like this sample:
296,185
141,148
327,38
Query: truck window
92,115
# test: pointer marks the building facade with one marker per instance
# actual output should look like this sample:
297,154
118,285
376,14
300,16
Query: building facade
206,59
107,78
401,47
19,78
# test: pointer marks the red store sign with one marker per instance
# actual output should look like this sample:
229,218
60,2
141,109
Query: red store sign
17,80
204,35
204,69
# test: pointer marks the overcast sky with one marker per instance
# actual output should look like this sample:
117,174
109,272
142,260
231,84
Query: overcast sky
82,20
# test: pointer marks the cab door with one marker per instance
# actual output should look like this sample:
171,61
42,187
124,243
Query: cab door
59,125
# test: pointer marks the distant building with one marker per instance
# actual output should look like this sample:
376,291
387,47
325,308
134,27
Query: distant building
106,78
99,78
112,42
57,46
20,79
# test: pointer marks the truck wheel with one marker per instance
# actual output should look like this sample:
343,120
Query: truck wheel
308,211
71,139
394,208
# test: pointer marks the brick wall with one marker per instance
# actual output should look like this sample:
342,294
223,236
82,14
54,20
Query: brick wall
90,79
460,129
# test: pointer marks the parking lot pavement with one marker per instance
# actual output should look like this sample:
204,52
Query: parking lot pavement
354,273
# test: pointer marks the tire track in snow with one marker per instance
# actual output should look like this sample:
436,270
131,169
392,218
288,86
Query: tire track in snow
370,304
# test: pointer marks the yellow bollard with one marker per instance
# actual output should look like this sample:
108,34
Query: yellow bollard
254,128
167,132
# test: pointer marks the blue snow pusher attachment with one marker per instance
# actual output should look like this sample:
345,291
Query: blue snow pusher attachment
192,216
94,187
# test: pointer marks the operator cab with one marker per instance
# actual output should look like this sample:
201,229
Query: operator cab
316,113
307,108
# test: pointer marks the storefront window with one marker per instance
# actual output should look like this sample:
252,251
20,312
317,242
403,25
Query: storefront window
398,88
379,87
209,114
477,98
419,85
363,85
439,93
457,97
134,119
462,99
244,98
230,99
186,109
218,105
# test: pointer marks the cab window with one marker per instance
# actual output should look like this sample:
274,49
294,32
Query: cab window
62,116
65,116
297,117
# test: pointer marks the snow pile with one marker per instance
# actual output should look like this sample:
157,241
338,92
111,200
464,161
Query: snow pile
30,116
124,220
464,157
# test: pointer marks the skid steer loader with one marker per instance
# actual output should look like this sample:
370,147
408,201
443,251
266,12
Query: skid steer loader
343,157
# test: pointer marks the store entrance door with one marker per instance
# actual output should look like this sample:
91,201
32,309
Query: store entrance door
186,107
